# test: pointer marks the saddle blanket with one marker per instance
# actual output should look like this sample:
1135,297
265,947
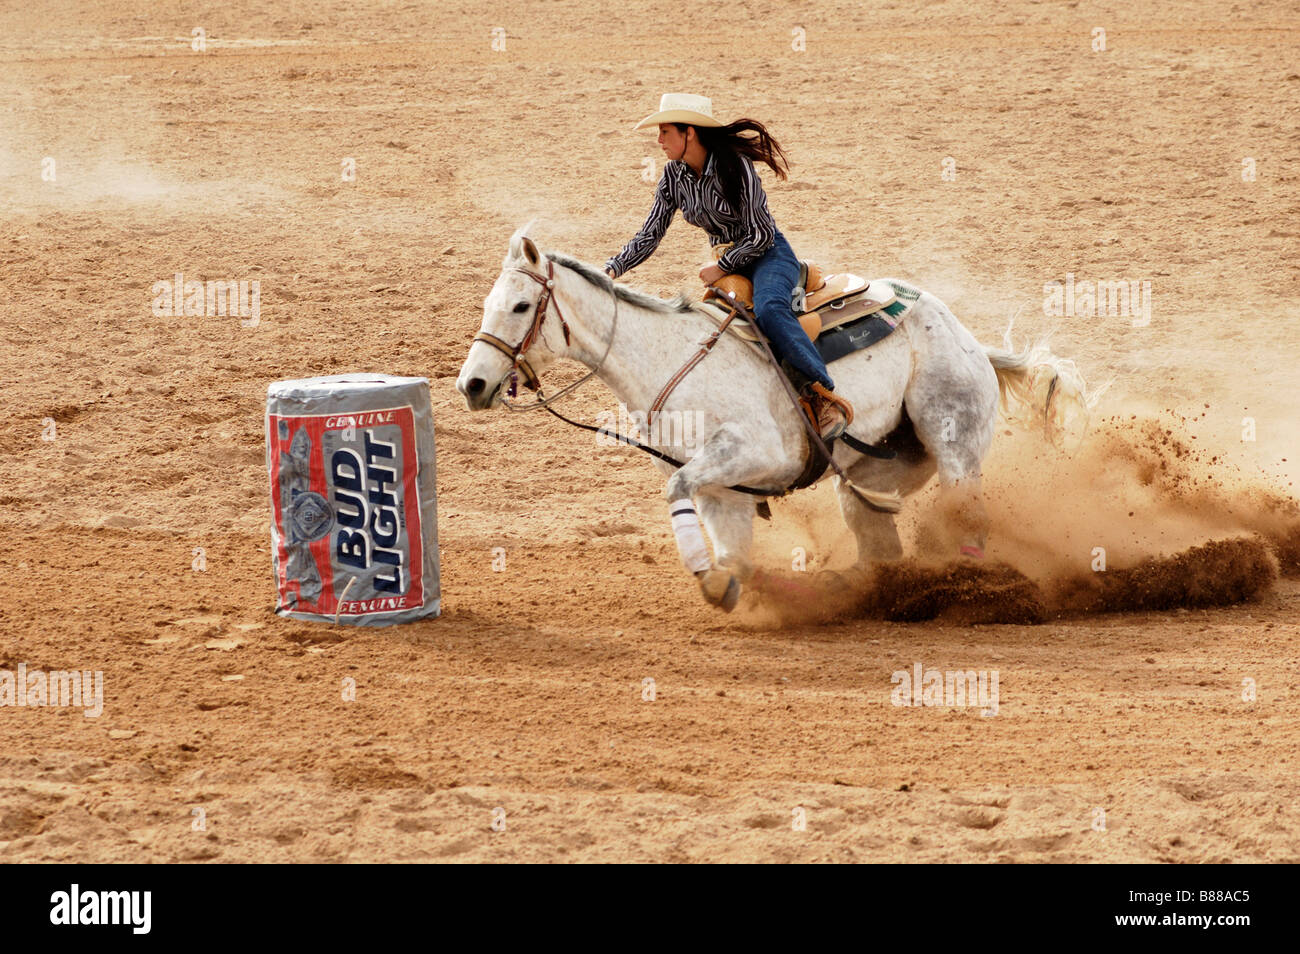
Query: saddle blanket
861,333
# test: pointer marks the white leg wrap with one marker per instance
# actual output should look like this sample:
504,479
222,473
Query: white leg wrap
690,540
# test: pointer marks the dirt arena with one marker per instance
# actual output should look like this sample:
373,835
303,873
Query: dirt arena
1123,730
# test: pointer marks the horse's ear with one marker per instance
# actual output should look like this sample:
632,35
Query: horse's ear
521,246
530,252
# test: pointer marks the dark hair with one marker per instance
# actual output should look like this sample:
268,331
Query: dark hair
727,146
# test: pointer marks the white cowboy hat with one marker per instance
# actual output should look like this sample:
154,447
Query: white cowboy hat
681,108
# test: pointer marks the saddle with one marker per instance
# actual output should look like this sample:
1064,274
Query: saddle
822,302
842,299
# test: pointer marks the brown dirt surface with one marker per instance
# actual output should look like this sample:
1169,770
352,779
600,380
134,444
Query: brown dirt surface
1146,711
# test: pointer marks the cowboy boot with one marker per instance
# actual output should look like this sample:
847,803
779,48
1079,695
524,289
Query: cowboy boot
834,413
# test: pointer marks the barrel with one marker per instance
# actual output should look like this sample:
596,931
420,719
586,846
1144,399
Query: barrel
354,519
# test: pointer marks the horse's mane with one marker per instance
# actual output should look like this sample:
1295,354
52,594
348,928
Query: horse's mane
675,305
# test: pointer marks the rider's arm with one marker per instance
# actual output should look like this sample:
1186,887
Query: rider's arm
647,240
760,228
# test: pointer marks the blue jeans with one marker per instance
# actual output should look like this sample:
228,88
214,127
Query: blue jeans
774,276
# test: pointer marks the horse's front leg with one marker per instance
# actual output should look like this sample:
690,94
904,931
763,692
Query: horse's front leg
728,519
724,460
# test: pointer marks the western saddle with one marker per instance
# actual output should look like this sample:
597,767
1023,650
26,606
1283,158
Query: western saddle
821,301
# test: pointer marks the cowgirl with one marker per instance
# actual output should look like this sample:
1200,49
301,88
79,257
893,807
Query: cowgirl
710,176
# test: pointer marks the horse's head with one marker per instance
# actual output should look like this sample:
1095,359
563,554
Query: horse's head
510,325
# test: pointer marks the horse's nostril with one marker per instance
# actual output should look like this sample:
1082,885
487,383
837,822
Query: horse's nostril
476,386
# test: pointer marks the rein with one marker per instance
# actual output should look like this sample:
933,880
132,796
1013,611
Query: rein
633,442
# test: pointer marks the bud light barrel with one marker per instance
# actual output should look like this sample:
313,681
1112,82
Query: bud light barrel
354,530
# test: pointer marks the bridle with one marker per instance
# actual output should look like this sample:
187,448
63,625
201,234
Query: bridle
520,365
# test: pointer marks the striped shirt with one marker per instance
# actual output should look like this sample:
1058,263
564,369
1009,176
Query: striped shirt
751,231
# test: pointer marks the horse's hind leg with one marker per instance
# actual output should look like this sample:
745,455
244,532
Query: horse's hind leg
958,431
876,532
953,401
963,506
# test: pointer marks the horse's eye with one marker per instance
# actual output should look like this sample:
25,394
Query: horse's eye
521,307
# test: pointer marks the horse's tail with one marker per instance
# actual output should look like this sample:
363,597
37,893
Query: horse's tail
1042,389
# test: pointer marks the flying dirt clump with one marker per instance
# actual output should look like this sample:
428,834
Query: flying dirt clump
1138,520
1219,573
966,592
1139,487
1200,486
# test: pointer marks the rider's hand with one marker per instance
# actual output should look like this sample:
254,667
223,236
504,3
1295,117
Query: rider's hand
710,274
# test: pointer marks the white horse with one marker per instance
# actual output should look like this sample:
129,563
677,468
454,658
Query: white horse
930,384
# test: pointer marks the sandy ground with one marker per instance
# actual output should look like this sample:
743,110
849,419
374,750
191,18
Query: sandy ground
1120,736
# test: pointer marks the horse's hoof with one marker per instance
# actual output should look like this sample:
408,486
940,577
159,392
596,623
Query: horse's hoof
732,596
975,553
721,589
